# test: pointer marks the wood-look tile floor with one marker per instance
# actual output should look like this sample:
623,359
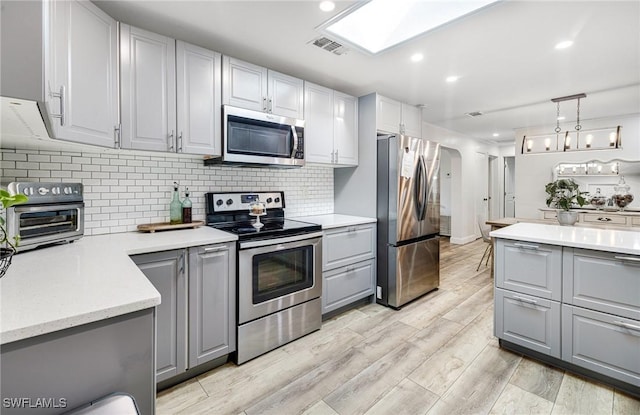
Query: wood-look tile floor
437,355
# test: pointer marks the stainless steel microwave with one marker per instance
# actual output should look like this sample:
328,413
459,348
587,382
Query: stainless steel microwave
258,138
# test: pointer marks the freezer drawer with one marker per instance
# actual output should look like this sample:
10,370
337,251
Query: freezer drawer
411,271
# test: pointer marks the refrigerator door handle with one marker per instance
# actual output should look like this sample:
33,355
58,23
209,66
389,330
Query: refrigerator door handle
417,190
425,185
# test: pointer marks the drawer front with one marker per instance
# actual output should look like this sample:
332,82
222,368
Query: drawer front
604,218
529,268
602,281
529,321
348,245
550,214
635,221
601,342
345,285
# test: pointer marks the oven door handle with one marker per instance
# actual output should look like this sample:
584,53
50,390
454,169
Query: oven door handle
275,241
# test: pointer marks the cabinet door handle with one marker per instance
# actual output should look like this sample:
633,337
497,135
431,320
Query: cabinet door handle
604,219
525,246
264,104
525,300
171,140
215,249
270,105
332,157
117,132
336,156
627,258
180,142
61,96
627,325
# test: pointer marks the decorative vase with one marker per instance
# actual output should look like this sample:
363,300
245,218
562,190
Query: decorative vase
567,217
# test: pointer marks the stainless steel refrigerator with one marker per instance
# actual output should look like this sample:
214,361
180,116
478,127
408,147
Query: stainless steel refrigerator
408,210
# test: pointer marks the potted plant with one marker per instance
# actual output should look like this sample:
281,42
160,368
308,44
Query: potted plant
562,194
7,247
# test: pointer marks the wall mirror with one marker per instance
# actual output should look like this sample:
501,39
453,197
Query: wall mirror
604,175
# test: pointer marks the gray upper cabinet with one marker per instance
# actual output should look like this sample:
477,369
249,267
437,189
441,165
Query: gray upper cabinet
147,62
81,82
397,117
331,126
529,268
212,293
166,271
253,87
199,97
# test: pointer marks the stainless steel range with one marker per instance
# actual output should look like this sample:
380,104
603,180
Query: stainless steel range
279,270
53,214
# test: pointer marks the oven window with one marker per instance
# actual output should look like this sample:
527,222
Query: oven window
282,272
258,138
36,224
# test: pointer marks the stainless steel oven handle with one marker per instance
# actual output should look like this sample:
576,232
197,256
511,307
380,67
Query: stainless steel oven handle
275,241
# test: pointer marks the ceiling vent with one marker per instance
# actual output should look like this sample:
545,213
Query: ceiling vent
473,114
329,45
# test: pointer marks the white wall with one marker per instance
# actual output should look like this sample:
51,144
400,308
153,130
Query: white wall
463,170
533,171
124,189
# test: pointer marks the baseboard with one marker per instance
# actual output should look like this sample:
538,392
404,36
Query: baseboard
463,240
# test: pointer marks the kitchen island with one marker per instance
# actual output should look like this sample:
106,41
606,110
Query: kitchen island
77,320
570,296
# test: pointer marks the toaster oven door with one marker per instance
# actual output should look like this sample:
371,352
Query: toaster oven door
37,225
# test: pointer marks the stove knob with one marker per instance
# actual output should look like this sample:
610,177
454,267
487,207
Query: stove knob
229,202
219,202
269,200
277,200
43,191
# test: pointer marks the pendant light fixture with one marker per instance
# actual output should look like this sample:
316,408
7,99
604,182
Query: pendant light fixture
576,140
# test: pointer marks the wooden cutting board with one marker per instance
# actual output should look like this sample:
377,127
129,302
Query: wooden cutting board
166,226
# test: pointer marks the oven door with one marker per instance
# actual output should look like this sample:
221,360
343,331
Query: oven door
43,224
276,274
252,137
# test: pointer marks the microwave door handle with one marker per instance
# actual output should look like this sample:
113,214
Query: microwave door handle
294,141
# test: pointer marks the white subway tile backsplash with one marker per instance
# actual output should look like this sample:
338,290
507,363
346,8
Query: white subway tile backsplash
123,190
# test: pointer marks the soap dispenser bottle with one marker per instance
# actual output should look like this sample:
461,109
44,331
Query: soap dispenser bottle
186,207
175,207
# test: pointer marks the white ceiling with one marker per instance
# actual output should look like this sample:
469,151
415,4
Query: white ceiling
504,55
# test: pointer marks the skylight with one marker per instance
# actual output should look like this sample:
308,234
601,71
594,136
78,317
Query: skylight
381,24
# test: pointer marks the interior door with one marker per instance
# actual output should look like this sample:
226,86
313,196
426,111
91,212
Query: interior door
509,187
481,190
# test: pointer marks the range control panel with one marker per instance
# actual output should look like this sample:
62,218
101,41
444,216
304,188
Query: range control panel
41,192
239,201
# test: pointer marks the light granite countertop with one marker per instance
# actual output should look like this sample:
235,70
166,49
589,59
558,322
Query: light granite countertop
610,240
92,279
333,220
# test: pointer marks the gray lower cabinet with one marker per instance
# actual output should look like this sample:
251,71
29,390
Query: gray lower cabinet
530,268
348,265
167,272
601,342
528,321
212,303
602,281
595,322
196,318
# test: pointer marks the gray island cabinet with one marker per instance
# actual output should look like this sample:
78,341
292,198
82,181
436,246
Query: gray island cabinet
571,297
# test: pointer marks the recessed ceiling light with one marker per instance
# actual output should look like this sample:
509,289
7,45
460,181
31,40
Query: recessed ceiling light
452,78
560,118
327,6
417,57
564,44
377,25
496,135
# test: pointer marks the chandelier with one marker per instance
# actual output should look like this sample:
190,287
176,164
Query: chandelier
572,140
